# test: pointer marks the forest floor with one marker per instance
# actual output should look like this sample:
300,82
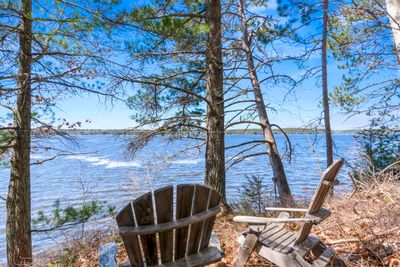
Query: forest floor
364,229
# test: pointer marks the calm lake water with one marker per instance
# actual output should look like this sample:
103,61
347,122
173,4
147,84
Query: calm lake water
103,171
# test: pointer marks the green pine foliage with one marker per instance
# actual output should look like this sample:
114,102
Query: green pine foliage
169,96
253,196
362,44
380,148
64,218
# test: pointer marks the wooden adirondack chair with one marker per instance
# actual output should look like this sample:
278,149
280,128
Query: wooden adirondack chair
283,247
157,231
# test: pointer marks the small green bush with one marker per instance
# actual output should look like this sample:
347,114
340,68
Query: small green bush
70,216
254,196
380,147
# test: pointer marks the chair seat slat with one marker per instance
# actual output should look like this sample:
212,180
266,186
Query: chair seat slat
287,246
282,241
267,238
206,256
307,245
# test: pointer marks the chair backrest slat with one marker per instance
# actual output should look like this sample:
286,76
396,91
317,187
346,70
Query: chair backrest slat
164,210
143,208
184,199
209,223
327,179
200,204
125,218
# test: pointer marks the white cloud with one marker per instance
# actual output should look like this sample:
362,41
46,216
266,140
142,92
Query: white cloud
262,9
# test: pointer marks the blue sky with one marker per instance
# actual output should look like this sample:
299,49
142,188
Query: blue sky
296,111
117,116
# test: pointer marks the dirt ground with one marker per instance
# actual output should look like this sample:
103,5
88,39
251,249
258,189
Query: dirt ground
364,229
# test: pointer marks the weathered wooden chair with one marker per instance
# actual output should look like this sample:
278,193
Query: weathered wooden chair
157,231
286,248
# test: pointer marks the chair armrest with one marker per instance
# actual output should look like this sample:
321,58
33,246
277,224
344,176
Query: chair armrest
264,220
308,218
321,215
285,209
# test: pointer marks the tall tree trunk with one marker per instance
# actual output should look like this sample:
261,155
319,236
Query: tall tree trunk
393,10
19,243
215,145
325,97
273,153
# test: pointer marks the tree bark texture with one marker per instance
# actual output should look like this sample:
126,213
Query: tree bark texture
325,96
278,170
19,244
393,11
215,144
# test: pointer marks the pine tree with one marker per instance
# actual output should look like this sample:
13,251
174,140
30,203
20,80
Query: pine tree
58,53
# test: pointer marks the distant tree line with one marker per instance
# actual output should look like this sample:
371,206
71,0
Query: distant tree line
231,131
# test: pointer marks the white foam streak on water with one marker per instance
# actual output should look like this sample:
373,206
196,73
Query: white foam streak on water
35,156
186,161
117,164
103,161
85,158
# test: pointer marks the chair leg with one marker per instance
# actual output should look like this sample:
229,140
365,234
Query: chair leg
325,258
246,248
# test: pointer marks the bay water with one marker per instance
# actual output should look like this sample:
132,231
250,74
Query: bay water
98,167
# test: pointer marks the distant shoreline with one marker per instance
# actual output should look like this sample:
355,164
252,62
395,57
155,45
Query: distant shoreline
238,131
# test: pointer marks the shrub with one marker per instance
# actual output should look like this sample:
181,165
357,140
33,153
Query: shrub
70,216
253,196
380,148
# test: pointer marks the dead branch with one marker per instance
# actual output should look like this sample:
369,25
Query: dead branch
39,162
287,139
238,160
246,143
